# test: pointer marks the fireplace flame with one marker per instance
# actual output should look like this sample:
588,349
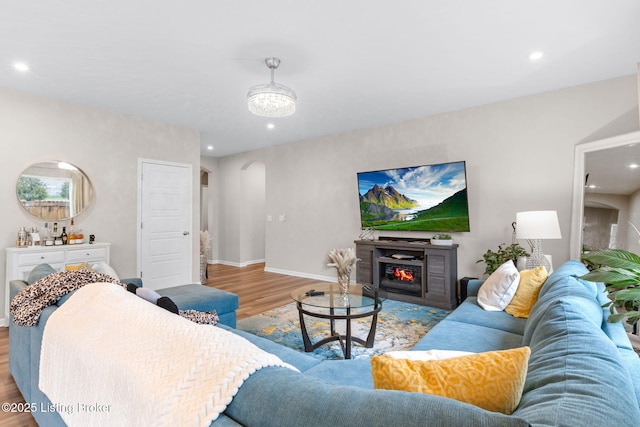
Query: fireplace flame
403,274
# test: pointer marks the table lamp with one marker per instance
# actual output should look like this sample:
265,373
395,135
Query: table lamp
535,226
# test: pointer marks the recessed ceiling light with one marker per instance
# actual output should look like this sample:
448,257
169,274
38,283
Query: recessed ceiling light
534,56
270,126
633,165
21,66
209,147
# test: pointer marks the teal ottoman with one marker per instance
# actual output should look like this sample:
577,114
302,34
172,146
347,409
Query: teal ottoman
204,298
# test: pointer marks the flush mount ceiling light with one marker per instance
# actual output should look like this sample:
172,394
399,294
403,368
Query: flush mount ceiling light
273,99
534,56
21,66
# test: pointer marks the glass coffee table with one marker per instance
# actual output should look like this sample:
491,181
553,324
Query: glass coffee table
325,301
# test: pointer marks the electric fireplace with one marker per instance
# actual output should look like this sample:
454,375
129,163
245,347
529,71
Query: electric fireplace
401,278
409,270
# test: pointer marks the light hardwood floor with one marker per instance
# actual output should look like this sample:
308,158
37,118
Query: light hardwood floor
257,291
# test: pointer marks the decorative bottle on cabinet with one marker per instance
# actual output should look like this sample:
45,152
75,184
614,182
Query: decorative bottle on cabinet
57,239
46,235
71,238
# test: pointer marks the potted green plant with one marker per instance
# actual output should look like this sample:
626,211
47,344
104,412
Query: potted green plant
619,270
442,240
493,260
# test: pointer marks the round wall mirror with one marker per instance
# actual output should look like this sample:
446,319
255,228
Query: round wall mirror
54,191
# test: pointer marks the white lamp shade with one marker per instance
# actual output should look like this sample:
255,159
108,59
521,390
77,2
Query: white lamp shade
537,225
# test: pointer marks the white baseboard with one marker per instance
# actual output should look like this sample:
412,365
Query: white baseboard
276,270
236,264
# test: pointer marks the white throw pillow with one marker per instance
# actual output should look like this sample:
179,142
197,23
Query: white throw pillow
498,290
427,354
104,268
148,294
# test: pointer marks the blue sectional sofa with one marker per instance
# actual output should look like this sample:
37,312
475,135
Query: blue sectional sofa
582,370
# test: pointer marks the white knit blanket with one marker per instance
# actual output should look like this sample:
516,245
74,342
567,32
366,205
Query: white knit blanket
111,358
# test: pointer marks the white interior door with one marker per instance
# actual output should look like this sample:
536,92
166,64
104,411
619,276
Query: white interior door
165,224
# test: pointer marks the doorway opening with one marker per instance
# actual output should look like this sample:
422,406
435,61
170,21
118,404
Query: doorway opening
601,228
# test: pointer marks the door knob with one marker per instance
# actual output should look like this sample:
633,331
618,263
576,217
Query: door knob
185,233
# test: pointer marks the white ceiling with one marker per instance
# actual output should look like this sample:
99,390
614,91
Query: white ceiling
613,170
353,63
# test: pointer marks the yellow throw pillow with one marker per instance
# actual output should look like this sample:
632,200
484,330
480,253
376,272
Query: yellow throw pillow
493,380
527,293
81,266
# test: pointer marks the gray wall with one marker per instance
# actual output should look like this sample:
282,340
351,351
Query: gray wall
519,156
106,146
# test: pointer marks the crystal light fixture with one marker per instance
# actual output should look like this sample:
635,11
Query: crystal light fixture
273,99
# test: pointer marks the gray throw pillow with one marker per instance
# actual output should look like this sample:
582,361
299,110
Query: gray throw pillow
38,272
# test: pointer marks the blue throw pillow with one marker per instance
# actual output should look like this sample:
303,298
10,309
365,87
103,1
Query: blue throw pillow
38,272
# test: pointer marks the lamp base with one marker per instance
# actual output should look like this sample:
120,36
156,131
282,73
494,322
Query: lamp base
521,263
537,258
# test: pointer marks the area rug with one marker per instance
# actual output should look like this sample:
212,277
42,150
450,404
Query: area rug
400,326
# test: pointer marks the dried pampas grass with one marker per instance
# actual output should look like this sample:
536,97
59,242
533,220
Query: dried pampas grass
343,260
205,242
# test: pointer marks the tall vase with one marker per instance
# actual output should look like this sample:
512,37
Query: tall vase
203,269
344,280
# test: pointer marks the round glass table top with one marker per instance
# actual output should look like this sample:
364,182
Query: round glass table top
328,295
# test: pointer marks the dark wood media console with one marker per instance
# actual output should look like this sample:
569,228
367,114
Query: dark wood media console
410,270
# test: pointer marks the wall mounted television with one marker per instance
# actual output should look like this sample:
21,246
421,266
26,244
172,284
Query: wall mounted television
419,198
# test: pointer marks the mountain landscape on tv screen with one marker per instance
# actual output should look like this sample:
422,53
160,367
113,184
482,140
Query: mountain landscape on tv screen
384,207
388,197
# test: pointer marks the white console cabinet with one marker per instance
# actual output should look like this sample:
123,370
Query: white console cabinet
20,261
